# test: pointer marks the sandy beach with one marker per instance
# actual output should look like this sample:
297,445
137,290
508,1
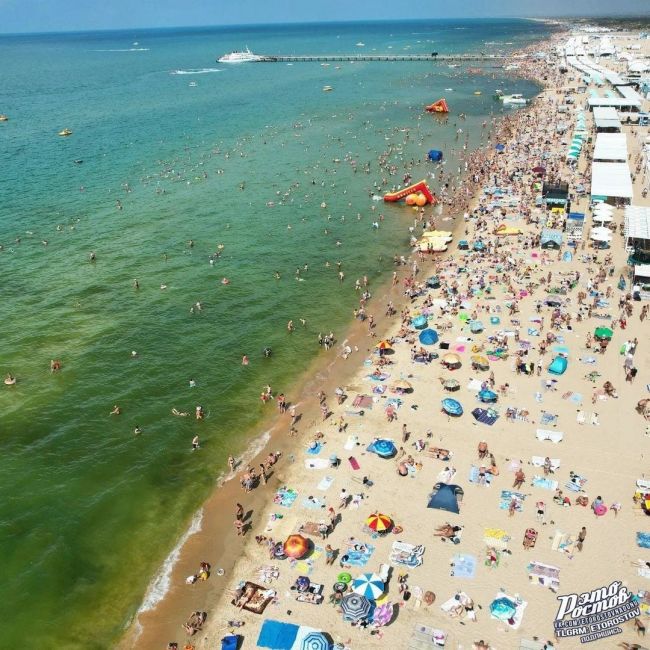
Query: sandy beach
537,432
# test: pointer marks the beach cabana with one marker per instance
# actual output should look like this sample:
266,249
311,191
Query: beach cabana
479,362
451,385
446,497
452,407
476,326
503,609
428,337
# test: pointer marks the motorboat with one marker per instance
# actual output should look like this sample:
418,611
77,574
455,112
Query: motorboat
245,56
3,118
327,89
65,132
514,99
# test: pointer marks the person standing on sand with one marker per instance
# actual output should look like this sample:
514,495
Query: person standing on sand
581,538
239,527
520,477
239,511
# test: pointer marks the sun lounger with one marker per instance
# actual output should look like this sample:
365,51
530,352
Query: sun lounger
546,434
404,547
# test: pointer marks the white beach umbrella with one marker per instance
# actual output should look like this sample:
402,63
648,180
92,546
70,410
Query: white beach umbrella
601,234
603,217
604,208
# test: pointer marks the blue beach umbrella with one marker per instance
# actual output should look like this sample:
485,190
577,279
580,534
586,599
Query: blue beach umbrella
500,147
452,407
384,448
315,641
428,337
369,585
502,609
487,396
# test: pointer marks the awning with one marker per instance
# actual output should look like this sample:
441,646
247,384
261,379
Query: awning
642,271
637,222
606,117
612,180
611,147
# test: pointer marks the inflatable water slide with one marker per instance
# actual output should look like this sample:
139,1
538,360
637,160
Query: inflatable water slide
421,188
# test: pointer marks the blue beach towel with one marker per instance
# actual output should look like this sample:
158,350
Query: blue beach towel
643,540
285,497
485,416
463,566
473,476
545,483
360,558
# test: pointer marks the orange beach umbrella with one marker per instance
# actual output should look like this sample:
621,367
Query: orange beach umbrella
379,523
296,546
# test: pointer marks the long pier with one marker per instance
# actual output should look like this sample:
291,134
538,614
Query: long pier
353,58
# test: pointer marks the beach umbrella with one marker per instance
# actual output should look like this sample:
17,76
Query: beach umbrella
383,614
428,337
604,207
603,217
384,448
601,234
384,345
500,147
452,407
452,360
539,170
402,384
355,607
302,582
603,333
419,322
315,641
487,396
296,546
502,609
480,360
451,384
369,585
379,523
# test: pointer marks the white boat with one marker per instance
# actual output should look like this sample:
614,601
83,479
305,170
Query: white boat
327,89
514,99
245,56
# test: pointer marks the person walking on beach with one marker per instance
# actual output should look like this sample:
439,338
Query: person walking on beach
239,511
240,527
344,497
520,477
330,555
581,538
231,463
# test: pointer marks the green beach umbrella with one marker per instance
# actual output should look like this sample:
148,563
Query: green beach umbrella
603,333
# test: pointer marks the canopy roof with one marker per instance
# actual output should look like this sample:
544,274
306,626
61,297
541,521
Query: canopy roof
610,147
617,102
611,179
637,222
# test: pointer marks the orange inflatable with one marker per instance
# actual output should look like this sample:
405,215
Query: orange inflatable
420,187
438,107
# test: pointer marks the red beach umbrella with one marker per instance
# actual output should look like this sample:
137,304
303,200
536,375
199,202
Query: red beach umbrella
296,546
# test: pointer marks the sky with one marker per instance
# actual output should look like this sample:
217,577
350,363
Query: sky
78,15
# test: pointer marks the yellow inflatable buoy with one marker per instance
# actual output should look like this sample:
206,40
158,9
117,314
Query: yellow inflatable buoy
65,132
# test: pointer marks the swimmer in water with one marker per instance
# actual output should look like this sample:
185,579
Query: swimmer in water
192,383
137,431
116,410
195,443
290,326
225,281
244,360
136,284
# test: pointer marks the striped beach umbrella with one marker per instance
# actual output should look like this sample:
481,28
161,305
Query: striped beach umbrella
315,641
379,523
369,585
355,607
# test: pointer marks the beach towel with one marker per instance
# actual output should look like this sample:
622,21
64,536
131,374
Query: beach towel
394,401
446,475
360,558
548,418
576,398
362,401
507,496
475,385
317,463
533,331
485,416
458,348
354,463
449,605
474,476
382,377
588,360
325,483
351,443
576,483
546,434
545,483
519,606
538,461
285,497
378,390
643,540
496,538
313,503
314,451
563,543
463,566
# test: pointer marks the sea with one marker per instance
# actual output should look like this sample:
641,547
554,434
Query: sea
181,171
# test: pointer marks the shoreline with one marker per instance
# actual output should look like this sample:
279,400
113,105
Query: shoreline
152,627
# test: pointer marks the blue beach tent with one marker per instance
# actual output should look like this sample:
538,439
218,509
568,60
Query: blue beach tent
277,636
558,365
445,497
435,155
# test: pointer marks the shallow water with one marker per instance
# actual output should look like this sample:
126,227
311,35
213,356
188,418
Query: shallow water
88,511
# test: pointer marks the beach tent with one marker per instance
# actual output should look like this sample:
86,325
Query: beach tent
428,337
551,238
558,365
446,497
434,155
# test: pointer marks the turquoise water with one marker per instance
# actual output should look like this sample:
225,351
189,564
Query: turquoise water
88,511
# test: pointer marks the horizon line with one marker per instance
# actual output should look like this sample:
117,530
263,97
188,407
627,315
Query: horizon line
318,22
